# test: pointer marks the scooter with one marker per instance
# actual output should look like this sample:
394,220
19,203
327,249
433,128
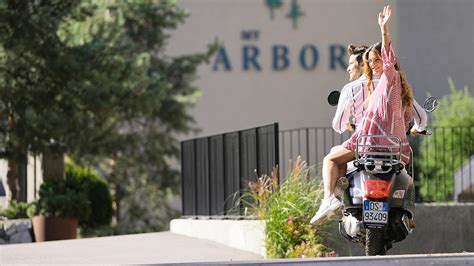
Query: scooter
378,193
379,197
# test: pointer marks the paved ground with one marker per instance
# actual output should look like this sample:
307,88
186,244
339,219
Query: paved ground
451,259
162,247
170,248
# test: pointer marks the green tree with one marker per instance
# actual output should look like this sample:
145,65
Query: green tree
93,75
453,124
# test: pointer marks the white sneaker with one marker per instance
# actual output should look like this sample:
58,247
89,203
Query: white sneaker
328,208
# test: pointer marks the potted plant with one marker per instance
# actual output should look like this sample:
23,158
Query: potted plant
61,206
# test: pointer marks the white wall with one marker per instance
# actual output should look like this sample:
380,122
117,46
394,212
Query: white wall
32,183
295,97
3,179
248,235
424,35
34,176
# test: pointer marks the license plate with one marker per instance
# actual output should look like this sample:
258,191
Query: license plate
375,212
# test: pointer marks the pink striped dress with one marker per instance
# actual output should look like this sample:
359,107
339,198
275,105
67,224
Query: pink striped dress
385,114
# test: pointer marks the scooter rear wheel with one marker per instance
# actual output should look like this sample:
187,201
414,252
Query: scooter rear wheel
375,242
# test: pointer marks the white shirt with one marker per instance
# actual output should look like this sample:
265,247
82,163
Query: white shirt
351,105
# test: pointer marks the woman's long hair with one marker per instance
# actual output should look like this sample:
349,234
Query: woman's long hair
407,93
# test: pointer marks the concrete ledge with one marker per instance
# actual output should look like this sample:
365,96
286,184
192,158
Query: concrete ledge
248,235
441,228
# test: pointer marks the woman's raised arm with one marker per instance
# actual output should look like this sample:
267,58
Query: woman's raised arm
384,18
388,56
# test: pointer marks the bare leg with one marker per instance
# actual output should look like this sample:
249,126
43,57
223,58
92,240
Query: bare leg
342,168
334,166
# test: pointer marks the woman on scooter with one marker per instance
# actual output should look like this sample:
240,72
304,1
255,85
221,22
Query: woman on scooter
389,107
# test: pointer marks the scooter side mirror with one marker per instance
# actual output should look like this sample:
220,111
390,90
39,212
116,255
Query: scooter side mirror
430,104
333,97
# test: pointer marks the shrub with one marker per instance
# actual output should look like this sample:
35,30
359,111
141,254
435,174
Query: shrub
16,210
62,198
286,211
82,194
97,192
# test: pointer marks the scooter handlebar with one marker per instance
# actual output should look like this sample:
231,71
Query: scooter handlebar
424,132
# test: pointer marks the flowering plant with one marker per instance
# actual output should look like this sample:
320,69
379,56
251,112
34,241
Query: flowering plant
286,210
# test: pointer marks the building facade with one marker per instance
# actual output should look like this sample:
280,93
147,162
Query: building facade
278,60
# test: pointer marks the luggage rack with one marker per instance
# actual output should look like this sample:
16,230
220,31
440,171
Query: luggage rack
378,158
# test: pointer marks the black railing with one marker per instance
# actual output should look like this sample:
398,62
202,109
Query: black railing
216,169
443,162
444,165
312,144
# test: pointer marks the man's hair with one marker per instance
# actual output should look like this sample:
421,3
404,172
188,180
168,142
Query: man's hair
358,51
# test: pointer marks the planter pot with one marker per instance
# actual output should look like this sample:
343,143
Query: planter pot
54,228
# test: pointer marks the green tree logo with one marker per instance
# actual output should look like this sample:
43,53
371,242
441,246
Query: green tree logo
295,13
273,4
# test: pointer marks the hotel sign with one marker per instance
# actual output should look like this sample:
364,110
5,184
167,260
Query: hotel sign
306,57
